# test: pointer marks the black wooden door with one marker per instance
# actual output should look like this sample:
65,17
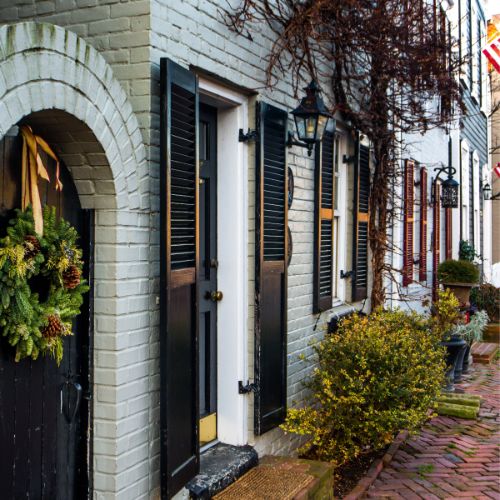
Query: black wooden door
208,274
44,452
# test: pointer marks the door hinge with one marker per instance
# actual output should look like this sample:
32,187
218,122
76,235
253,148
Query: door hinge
249,387
251,135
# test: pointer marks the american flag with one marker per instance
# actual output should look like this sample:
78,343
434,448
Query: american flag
492,53
496,169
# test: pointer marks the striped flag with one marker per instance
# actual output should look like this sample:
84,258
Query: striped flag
492,53
496,169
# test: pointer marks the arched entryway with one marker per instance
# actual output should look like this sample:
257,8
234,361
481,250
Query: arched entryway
54,81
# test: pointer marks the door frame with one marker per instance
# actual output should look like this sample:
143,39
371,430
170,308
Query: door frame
88,307
232,254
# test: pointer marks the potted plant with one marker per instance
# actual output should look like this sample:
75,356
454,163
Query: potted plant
487,297
471,332
443,321
459,276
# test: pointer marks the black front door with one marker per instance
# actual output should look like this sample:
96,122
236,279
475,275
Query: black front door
44,426
208,294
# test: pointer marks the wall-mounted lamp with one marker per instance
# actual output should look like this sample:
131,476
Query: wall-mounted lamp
487,192
486,188
311,118
449,187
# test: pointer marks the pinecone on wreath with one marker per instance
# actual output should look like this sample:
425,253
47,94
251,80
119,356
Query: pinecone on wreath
31,246
54,327
71,277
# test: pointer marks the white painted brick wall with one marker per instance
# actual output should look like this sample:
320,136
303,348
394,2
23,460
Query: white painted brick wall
132,36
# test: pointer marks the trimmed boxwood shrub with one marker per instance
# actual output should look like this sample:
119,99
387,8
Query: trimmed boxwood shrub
458,271
379,374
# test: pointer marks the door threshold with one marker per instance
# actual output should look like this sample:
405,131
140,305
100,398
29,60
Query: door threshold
207,446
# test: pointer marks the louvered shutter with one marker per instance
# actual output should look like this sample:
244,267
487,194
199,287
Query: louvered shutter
271,269
408,223
360,223
436,237
448,233
323,230
179,268
422,269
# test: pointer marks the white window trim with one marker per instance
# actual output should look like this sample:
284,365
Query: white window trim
464,187
232,249
340,284
477,202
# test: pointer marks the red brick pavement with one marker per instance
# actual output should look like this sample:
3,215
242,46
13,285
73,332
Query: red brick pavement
451,458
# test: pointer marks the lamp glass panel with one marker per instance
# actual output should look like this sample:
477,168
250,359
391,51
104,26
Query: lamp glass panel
311,123
449,196
300,123
322,123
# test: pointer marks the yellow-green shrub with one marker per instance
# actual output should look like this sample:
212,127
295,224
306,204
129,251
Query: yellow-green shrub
377,375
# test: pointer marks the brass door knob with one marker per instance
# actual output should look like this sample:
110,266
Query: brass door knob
216,296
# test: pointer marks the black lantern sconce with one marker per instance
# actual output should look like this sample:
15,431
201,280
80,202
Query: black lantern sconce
486,188
488,193
449,187
311,118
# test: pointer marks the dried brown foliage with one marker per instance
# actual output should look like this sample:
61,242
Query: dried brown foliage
385,61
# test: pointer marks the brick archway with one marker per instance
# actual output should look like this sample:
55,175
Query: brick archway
56,82
43,67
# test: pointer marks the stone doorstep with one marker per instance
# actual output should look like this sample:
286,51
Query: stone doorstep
483,352
283,478
220,466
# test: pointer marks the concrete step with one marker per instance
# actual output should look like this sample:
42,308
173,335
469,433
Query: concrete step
221,466
283,478
483,352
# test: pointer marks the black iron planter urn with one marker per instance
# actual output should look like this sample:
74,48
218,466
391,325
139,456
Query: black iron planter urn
455,347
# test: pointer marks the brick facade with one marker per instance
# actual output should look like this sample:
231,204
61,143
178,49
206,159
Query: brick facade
99,62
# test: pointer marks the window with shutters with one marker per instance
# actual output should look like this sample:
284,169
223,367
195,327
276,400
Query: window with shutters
408,223
326,187
422,259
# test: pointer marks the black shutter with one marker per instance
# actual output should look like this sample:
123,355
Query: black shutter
323,223
436,237
179,263
360,226
271,270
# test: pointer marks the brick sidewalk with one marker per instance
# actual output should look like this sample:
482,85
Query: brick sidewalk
451,458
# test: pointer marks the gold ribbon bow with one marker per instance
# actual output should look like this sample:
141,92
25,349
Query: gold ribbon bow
32,167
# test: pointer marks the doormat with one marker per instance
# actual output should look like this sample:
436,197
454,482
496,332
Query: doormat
266,483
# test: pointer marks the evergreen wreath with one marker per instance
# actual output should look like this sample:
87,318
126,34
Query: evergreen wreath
41,289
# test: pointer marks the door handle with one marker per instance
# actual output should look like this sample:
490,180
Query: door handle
78,395
215,295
